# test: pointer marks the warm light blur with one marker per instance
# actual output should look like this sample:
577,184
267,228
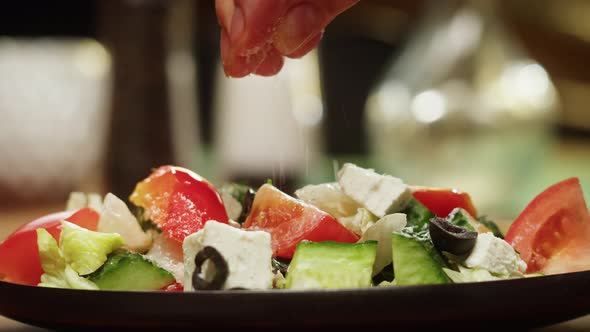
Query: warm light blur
429,106
54,97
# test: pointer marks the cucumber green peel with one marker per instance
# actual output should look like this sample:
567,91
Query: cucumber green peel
125,270
415,259
331,264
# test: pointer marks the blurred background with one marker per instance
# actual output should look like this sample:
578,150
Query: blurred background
489,97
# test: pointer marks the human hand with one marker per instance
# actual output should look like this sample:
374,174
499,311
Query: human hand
256,35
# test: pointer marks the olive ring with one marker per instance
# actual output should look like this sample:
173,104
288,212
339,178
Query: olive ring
221,269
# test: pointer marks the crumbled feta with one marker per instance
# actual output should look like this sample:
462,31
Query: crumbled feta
248,255
328,197
380,194
359,222
495,255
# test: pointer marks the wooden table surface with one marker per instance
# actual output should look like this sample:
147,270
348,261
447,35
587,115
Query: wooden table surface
11,218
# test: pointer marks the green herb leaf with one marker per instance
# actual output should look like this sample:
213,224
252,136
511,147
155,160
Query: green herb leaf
491,225
417,214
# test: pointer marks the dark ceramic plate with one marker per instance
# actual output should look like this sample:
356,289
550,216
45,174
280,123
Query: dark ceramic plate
524,303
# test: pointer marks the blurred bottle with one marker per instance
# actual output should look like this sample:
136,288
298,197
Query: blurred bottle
268,127
463,106
154,109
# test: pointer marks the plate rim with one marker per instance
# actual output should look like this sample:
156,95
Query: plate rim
263,299
395,288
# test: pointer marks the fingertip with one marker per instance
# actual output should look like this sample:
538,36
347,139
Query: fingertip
271,65
225,12
236,68
300,24
237,25
236,65
307,47
233,65
224,45
254,23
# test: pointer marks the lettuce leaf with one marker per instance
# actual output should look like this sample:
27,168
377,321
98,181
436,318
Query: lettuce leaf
470,275
80,252
58,273
478,275
85,250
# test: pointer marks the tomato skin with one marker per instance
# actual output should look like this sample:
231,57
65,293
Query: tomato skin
174,288
441,201
179,201
289,221
552,233
19,254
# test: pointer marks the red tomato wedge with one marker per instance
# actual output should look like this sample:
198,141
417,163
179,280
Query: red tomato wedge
552,233
19,254
179,201
441,201
289,221
174,288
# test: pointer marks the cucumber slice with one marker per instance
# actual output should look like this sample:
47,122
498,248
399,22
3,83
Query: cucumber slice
332,264
416,261
125,270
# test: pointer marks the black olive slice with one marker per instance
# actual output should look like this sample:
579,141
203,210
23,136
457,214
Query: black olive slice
246,205
451,238
221,270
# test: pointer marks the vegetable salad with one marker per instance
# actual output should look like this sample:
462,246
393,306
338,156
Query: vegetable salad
178,232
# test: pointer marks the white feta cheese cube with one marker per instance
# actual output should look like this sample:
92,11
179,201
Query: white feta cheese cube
495,255
248,255
380,194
